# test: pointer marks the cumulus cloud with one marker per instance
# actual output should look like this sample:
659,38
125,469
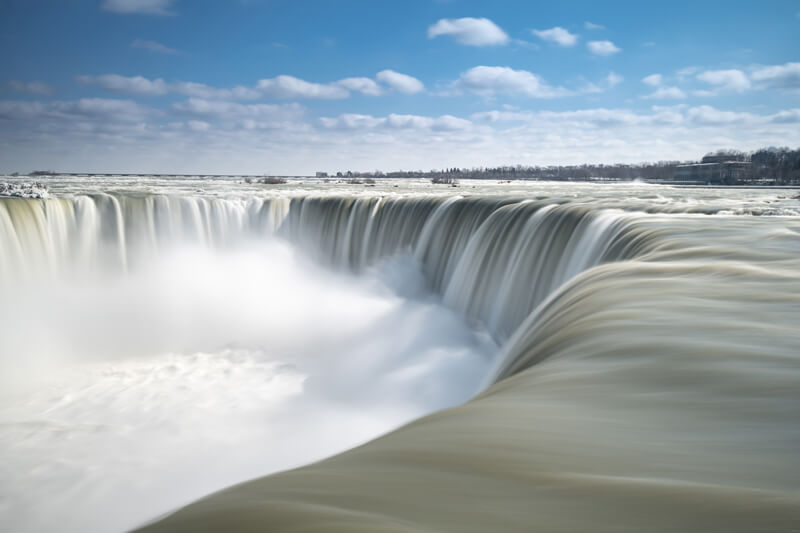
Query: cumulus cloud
144,7
279,87
126,84
664,93
400,82
653,80
362,85
726,80
786,76
557,35
487,81
290,87
591,26
32,87
470,31
602,48
154,46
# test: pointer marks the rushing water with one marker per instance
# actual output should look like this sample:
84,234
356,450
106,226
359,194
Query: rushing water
630,343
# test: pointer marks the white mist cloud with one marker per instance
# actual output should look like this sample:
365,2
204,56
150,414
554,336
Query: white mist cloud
591,26
400,82
470,31
486,81
144,7
602,48
557,35
323,362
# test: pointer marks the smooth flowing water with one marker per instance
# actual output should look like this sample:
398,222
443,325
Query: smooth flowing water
629,343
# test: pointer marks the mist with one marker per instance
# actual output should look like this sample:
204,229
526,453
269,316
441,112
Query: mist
128,395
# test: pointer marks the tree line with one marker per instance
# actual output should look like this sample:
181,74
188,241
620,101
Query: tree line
780,166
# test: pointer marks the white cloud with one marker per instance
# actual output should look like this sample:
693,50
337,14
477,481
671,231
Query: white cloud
394,121
470,31
197,136
653,80
361,85
126,84
726,80
450,123
280,87
708,115
351,121
101,109
602,48
490,80
687,72
591,26
611,80
664,93
658,118
400,82
291,87
222,109
32,87
232,111
557,35
198,125
201,90
154,46
786,76
144,7
789,116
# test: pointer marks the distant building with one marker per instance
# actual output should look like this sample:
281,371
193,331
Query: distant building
711,172
322,174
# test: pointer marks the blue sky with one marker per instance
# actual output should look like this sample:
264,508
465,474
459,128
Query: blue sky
297,86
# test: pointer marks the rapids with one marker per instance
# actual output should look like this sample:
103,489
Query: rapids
633,349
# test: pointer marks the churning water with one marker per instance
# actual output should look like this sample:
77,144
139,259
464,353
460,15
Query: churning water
164,339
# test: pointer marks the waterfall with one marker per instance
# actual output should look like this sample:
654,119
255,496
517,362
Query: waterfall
494,260
91,233
647,370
